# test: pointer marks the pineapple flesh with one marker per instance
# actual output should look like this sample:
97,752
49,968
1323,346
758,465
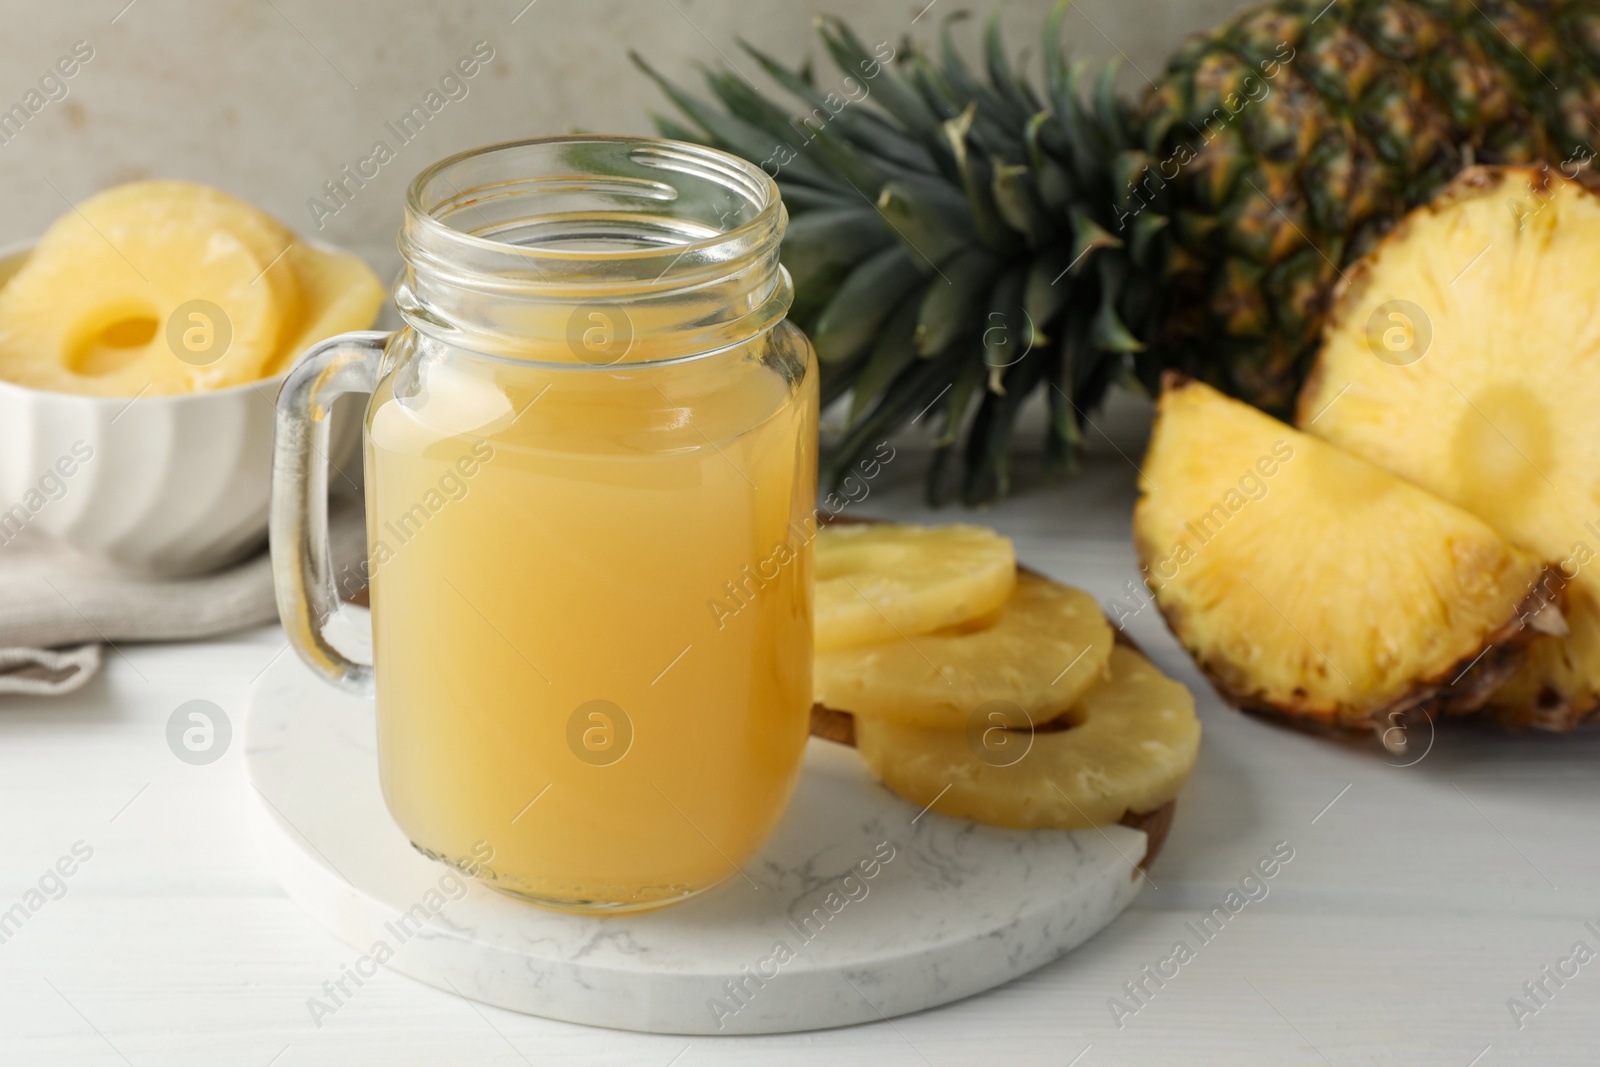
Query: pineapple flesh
1461,356
1131,745
1038,653
98,303
882,582
266,238
1310,583
172,287
339,293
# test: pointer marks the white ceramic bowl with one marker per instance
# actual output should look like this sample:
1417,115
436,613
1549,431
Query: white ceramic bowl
162,485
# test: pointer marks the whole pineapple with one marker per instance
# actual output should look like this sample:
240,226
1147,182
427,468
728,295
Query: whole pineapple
959,241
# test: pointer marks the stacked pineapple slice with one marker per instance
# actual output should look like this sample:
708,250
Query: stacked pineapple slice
986,693
877,581
169,287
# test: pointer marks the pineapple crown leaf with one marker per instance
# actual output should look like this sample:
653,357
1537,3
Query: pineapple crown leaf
941,227
968,206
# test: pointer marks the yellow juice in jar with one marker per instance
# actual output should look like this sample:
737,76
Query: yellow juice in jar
591,613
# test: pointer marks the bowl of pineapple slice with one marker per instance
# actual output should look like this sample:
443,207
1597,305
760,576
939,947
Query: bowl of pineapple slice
983,690
143,339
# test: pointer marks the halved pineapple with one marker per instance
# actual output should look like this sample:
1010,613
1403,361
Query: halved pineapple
1309,582
166,289
1131,745
886,581
1491,401
1038,653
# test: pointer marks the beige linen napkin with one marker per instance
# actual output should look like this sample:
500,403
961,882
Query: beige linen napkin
57,606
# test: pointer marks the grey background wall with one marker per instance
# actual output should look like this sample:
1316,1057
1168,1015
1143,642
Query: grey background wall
271,98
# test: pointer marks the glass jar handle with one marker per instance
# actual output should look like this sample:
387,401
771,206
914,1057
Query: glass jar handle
302,573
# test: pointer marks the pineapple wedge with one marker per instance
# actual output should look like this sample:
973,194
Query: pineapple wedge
1132,743
886,581
1310,583
1461,355
1039,653
98,303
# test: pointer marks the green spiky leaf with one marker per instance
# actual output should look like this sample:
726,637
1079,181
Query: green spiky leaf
850,322
891,354
928,216
950,303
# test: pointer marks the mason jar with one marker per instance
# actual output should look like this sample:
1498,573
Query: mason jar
590,461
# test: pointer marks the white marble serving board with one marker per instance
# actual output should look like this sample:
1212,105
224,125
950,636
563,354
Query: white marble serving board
952,909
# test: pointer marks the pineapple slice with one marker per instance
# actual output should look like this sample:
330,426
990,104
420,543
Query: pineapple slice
1130,746
885,581
266,237
340,293
1308,582
1039,653
1461,354
113,286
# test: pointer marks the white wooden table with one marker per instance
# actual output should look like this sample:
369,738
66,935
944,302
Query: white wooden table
1419,899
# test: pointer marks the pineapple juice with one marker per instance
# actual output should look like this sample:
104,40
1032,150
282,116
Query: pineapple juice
553,678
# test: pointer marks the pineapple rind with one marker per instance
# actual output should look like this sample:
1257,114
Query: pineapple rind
1133,743
1309,582
1048,644
1498,415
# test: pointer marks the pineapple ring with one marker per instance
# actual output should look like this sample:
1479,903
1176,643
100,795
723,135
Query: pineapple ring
341,294
1040,652
884,581
1131,747
264,235
97,305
